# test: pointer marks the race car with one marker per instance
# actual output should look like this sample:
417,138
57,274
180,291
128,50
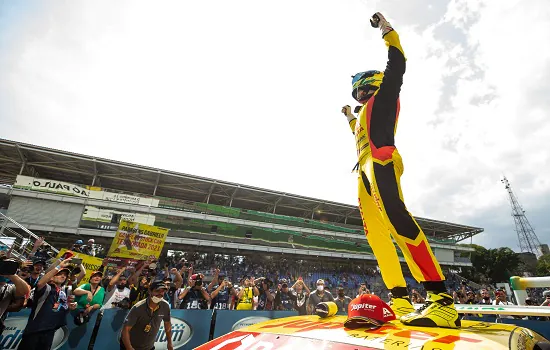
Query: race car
313,332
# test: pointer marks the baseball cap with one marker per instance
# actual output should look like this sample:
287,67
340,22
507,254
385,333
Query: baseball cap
96,273
368,311
157,285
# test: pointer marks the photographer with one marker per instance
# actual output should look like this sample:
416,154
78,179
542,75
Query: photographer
266,296
221,293
194,296
284,298
247,293
118,294
9,292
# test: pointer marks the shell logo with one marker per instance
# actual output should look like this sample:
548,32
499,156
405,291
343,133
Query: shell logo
11,336
248,321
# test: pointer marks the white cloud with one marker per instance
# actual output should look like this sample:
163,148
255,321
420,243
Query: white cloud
251,91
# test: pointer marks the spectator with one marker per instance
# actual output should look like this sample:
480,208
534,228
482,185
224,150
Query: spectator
266,296
89,249
173,286
10,293
247,293
362,290
139,285
284,298
221,293
90,295
501,299
342,301
318,296
546,296
195,295
301,292
118,294
142,324
49,310
485,297
37,272
77,246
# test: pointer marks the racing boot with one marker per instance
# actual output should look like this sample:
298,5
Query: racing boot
438,311
400,302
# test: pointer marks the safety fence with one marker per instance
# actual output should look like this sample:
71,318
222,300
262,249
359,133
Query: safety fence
190,328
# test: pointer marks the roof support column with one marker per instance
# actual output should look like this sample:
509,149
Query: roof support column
95,174
276,202
210,192
233,195
156,183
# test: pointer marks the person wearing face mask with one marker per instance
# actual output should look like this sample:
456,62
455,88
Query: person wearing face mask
342,301
318,296
117,290
142,324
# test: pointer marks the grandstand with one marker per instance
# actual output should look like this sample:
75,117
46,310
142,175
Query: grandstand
204,215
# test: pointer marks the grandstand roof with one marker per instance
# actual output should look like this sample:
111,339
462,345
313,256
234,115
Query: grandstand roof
18,158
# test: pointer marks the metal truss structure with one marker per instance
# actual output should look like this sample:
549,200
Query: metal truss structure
24,159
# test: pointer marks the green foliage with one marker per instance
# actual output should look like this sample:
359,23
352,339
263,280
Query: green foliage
543,266
492,265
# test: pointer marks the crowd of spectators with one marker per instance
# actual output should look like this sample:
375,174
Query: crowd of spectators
56,292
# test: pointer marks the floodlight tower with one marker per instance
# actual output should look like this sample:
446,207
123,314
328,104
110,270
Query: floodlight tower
528,240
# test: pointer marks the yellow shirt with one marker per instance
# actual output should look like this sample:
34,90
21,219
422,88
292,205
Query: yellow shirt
245,303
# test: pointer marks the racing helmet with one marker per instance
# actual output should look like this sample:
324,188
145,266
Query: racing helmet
369,80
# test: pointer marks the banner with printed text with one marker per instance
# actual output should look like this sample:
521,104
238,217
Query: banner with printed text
137,241
106,215
91,263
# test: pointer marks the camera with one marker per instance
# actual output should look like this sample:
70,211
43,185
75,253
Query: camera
198,282
123,304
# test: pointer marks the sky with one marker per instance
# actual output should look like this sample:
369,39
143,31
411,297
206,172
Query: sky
251,92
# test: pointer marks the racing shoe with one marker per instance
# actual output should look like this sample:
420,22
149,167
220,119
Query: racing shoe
401,306
438,311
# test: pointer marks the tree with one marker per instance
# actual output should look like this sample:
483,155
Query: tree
492,265
543,266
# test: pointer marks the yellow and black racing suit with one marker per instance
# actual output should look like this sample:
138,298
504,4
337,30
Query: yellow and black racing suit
380,168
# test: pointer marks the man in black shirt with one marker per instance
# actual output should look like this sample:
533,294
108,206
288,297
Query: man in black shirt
49,309
221,294
266,296
284,298
142,323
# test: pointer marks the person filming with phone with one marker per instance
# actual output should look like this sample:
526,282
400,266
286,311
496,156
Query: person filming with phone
49,309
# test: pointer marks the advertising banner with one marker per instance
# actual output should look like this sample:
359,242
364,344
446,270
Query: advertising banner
52,186
190,328
91,263
60,187
137,241
70,337
106,215
124,198
232,320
